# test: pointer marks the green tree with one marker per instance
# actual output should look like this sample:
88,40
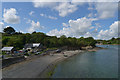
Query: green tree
9,30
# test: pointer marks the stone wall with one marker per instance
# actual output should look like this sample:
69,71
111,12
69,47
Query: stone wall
9,61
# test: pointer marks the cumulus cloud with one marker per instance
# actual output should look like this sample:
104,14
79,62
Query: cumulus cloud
27,20
64,8
35,26
10,16
31,13
88,34
51,17
65,24
76,28
90,15
98,25
109,33
106,9
42,15
44,3
1,26
48,16
83,26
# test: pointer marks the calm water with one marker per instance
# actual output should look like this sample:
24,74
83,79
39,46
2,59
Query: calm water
100,64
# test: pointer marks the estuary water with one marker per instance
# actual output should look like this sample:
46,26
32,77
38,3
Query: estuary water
99,64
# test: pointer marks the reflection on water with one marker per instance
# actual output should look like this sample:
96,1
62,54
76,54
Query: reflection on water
100,64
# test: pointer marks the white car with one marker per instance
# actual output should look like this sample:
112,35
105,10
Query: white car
37,53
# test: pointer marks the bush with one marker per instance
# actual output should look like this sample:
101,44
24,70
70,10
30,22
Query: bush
3,53
26,54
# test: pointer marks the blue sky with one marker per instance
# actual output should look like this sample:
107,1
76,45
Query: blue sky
98,20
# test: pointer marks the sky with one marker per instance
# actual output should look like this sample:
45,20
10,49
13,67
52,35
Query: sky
72,19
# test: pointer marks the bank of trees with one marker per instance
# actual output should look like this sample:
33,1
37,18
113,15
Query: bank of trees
18,40
111,41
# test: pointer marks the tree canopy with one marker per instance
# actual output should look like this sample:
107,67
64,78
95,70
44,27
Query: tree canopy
111,41
9,30
18,40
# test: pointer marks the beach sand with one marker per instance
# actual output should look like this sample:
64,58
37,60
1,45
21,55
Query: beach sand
37,66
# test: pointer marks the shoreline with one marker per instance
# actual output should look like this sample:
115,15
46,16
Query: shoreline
41,65
51,67
108,44
54,64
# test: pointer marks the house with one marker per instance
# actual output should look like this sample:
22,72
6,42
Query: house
8,49
36,45
30,46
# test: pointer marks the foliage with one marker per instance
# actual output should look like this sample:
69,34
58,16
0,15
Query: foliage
18,40
26,54
111,41
3,53
9,30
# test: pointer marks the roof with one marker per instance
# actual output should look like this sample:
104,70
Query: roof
28,46
32,45
36,44
7,48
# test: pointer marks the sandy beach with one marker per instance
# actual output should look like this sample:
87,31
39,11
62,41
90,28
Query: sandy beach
34,67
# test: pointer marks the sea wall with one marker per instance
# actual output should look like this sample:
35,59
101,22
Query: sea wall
9,61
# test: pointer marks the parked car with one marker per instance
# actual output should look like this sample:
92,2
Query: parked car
58,51
37,53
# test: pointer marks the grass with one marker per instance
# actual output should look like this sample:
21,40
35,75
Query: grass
50,73
50,49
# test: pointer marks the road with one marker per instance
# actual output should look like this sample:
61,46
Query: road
29,69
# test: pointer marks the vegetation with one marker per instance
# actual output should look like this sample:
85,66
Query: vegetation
50,73
111,41
9,30
18,40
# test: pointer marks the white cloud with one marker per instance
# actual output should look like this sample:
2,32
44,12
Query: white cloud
54,32
65,24
35,26
83,26
44,3
21,31
113,31
29,21
106,9
90,8
51,17
97,25
1,26
42,15
65,8
90,15
48,16
31,13
109,33
10,16
88,34
76,28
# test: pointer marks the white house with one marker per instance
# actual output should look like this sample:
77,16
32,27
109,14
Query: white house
36,44
7,49
32,45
